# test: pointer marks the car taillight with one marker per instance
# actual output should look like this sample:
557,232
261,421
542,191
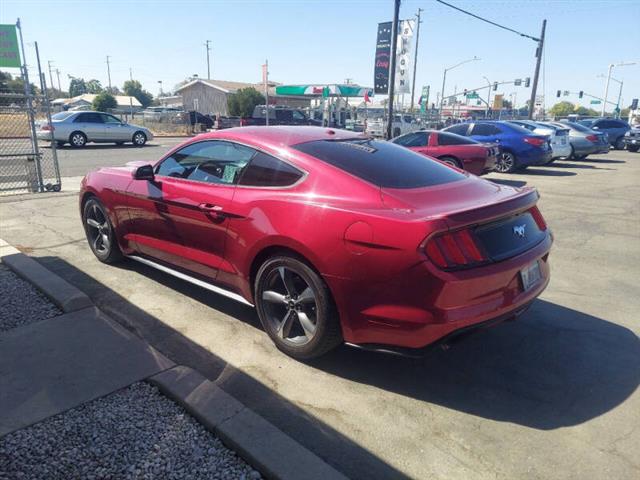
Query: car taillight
536,141
48,127
455,249
592,138
539,219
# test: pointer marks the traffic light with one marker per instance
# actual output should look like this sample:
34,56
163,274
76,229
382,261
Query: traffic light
580,94
517,82
495,86
558,93
465,92
527,82
634,104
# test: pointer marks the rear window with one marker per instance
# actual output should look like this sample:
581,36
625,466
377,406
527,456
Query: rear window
446,138
578,127
381,163
61,115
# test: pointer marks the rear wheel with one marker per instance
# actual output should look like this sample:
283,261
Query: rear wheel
99,231
632,148
78,139
506,163
295,308
454,162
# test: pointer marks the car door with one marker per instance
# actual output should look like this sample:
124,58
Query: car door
91,124
115,130
181,217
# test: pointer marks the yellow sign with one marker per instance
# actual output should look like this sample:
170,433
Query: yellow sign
497,101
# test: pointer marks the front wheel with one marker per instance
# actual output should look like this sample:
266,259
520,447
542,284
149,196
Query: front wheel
139,139
296,309
506,163
619,144
632,148
100,232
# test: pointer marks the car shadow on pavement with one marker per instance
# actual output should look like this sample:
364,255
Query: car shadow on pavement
554,367
510,183
333,447
104,146
546,172
599,160
579,166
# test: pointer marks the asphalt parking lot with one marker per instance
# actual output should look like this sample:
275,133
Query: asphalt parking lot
552,395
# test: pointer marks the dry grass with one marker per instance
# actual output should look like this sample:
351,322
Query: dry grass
14,125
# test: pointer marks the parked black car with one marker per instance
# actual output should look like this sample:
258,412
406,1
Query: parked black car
632,139
613,127
279,115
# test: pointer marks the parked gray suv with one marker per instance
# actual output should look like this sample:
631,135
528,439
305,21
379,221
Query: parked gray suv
78,128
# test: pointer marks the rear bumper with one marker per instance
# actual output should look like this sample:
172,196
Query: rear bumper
534,156
426,304
593,149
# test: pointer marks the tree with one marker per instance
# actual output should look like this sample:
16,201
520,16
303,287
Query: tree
9,84
133,88
585,112
242,103
507,104
77,86
104,101
562,109
94,86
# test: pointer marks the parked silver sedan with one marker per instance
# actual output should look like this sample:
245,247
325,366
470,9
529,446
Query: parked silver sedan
78,128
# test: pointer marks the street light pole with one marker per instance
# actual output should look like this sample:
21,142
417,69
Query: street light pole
534,87
208,65
415,60
444,79
109,73
606,87
486,111
618,102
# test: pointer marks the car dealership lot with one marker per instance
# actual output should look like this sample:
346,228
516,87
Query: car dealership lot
553,394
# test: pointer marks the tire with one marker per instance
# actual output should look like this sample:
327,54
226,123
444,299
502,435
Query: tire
78,139
296,308
100,232
632,148
60,144
506,163
619,144
396,132
454,162
579,157
139,139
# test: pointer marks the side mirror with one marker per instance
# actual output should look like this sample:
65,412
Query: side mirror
145,172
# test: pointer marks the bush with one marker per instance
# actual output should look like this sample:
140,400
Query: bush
104,101
133,88
242,103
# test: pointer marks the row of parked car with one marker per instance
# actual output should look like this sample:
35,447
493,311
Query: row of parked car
507,146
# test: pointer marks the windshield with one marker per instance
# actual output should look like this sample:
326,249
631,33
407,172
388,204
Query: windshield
578,127
61,116
381,163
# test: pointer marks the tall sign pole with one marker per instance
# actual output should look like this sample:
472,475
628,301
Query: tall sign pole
415,59
392,65
265,79
208,65
109,73
534,87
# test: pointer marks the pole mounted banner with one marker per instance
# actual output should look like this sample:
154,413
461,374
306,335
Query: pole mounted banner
9,50
383,59
403,55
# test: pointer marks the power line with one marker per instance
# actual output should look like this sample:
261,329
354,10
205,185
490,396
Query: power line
489,21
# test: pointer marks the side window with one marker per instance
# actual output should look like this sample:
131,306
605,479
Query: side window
81,118
298,115
109,119
419,139
267,171
405,140
210,162
484,129
459,129
446,138
92,118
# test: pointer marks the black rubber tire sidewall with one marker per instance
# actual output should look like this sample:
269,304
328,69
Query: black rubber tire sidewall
114,254
328,334
513,167
632,148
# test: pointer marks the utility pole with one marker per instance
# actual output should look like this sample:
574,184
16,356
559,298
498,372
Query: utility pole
109,73
50,75
606,89
58,75
534,87
392,65
208,65
130,74
266,92
415,59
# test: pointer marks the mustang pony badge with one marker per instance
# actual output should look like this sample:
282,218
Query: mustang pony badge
518,230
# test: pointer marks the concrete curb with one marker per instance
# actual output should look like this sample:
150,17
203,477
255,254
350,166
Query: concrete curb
273,453
62,293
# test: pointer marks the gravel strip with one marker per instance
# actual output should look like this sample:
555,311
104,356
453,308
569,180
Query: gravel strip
135,433
21,303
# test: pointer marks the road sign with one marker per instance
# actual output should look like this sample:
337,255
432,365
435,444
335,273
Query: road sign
595,102
9,52
473,95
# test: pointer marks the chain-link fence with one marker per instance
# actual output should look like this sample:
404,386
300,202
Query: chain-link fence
160,122
26,163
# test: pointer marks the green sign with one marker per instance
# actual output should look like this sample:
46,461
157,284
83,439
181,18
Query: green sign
424,99
473,95
9,53
595,102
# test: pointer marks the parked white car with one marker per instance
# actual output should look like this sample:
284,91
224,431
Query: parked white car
79,128
558,136
402,123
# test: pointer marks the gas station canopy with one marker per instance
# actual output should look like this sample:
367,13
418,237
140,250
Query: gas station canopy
335,90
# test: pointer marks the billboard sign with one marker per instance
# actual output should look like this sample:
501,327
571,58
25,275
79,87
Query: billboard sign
383,59
9,52
403,55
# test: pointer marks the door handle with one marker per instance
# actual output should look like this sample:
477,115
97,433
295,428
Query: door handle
208,207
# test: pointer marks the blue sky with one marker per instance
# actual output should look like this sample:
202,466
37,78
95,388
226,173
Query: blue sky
328,41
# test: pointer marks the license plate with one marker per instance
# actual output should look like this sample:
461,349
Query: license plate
530,275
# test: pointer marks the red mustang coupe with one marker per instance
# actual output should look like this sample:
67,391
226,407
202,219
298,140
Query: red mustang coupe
456,150
333,236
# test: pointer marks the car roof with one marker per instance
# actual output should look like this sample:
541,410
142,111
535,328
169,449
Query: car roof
280,136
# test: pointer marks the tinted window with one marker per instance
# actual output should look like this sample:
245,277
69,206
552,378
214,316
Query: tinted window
485,129
459,129
109,118
88,118
298,115
525,125
381,163
417,139
61,115
446,138
267,171
210,162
